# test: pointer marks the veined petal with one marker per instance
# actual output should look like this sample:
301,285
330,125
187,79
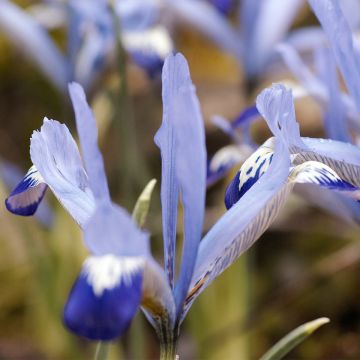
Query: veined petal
242,225
33,40
105,297
27,195
182,114
320,174
55,154
340,37
88,134
207,20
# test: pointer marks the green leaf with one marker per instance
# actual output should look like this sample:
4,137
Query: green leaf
295,337
142,205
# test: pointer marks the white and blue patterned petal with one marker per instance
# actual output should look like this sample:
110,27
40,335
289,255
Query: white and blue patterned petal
320,174
148,48
27,195
33,40
55,154
224,160
105,297
252,169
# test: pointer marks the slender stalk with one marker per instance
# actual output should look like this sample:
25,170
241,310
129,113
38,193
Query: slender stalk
168,351
131,157
102,350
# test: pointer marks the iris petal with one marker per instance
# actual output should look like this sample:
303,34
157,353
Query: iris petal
105,297
27,195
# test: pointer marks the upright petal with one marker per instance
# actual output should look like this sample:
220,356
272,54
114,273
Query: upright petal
88,134
105,297
27,195
55,154
34,41
276,15
335,117
182,115
340,37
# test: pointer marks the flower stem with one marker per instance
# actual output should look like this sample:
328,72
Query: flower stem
102,350
168,351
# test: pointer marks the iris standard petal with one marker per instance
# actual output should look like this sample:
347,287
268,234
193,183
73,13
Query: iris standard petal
183,116
105,297
55,154
30,38
88,134
27,195
335,117
276,15
340,37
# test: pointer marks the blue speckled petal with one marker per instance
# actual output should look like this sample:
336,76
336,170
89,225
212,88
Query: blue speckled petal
105,297
252,169
27,195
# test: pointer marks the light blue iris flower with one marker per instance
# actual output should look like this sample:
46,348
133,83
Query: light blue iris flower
121,275
332,165
91,38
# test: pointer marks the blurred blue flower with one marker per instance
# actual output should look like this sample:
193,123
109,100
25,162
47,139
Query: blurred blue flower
91,38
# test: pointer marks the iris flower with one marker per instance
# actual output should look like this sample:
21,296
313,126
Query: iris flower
120,275
91,39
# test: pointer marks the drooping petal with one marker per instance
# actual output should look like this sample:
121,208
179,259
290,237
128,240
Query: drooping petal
30,38
186,144
112,230
320,174
242,225
88,134
340,37
105,297
55,154
204,17
27,195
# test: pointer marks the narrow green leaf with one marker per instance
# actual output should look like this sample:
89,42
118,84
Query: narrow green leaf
295,337
142,205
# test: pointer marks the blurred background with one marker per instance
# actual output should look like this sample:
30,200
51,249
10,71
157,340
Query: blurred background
304,267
